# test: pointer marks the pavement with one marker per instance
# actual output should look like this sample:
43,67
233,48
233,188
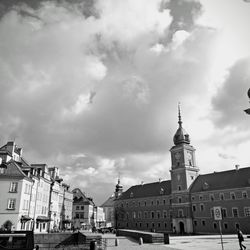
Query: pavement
204,242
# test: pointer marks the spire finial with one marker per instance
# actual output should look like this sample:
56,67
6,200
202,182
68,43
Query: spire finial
179,114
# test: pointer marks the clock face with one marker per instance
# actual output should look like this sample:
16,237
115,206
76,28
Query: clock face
177,156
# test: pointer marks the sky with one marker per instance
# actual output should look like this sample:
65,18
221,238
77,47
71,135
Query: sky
93,86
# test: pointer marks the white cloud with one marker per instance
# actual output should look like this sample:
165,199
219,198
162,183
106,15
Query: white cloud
96,94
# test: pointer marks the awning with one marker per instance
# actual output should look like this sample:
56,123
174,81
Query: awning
25,218
42,219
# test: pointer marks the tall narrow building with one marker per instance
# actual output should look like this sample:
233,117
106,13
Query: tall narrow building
183,173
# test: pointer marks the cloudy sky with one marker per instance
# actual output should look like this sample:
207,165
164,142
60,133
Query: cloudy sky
93,86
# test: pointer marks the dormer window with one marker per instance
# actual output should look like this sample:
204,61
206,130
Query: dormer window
3,167
161,191
131,195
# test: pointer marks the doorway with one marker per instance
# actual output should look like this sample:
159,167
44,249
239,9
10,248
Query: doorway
182,228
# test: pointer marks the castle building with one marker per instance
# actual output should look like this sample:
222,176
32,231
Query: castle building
186,202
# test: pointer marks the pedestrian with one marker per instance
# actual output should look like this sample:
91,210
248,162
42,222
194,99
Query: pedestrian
240,237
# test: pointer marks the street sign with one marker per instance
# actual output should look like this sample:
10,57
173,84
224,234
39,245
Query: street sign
217,213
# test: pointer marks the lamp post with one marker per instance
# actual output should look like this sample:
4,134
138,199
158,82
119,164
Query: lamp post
248,110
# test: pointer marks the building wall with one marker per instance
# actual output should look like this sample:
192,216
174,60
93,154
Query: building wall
202,208
149,213
21,198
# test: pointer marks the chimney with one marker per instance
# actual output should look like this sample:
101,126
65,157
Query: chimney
237,166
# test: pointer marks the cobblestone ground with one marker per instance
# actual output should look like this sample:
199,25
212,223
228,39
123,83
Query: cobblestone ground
230,242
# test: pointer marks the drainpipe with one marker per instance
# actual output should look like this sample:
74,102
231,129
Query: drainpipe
33,182
35,204
50,212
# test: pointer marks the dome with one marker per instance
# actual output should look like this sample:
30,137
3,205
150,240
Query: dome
181,136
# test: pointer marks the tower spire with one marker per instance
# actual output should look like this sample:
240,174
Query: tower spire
179,115
181,136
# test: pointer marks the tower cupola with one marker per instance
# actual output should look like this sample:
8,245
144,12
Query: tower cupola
181,136
118,189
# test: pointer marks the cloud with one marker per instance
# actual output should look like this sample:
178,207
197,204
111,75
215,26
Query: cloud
231,97
93,86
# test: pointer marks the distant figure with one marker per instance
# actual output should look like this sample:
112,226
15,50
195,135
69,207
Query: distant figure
240,237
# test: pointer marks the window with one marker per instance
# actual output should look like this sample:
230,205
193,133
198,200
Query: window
224,212
202,207
200,197
203,223
152,203
158,202
158,214
145,203
193,198
194,208
247,211
225,226
215,225
77,207
164,202
179,188
159,224
82,207
180,213
235,212
77,216
139,214
13,187
152,215
232,196
81,215
211,197
244,194
179,199
222,196
139,204
2,170
164,214
11,204
195,222
145,214
212,212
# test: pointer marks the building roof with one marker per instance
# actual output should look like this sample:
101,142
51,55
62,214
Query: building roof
237,178
80,197
109,202
13,169
147,190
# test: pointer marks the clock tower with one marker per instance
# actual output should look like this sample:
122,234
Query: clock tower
184,169
183,172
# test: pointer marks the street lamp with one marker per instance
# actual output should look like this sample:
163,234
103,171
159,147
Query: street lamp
248,110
